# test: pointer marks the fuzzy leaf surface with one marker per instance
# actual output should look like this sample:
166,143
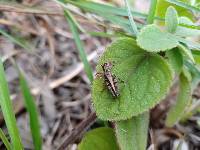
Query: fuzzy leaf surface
143,80
152,39
175,59
171,19
132,134
99,139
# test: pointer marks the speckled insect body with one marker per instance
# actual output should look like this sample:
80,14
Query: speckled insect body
110,79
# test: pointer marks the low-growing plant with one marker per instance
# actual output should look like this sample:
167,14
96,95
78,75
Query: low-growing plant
141,65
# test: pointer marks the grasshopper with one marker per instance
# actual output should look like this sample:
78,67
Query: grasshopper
110,79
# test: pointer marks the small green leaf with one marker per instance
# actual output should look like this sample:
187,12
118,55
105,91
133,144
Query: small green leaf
171,19
186,52
184,96
175,59
99,139
152,39
163,5
143,80
132,134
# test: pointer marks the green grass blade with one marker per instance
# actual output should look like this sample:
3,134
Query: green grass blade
79,45
102,8
190,26
184,5
33,113
115,19
103,34
122,22
15,40
152,12
130,16
5,140
6,107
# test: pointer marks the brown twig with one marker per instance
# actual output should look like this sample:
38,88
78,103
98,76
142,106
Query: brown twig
78,131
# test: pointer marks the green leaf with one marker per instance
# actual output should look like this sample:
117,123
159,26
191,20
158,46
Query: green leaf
132,134
143,79
152,39
6,107
185,20
195,72
17,41
190,44
5,140
187,32
186,52
196,55
184,5
163,5
187,28
130,16
79,45
99,139
152,12
183,98
171,19
175,59
33,113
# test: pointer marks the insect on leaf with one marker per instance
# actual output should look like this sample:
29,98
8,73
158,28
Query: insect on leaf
143,80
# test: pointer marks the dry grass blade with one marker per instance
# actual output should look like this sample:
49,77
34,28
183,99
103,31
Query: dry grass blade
19,8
